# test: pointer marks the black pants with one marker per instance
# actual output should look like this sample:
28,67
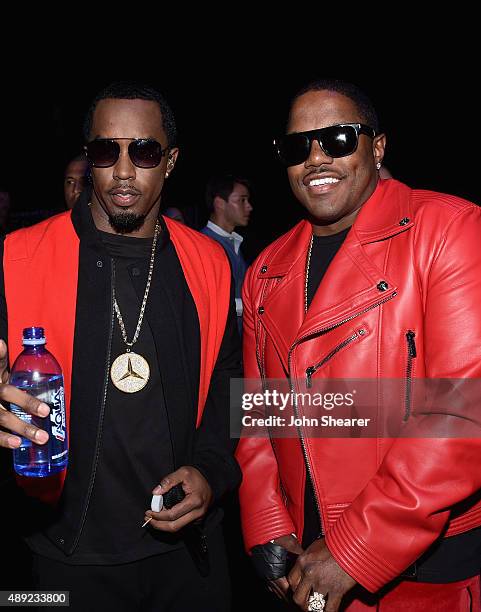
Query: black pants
162,583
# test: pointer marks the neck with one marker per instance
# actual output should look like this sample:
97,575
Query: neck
333,228
101,219
227,227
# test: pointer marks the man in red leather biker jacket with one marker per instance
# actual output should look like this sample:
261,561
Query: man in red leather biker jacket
379,282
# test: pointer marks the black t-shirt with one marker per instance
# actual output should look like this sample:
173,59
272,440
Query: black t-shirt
136,450
323,251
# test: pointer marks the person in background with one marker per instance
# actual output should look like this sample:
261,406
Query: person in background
228,202
75,179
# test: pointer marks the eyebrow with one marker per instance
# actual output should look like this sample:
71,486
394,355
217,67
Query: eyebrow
71,176
98,137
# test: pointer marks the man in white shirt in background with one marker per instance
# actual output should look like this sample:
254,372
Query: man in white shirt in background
228,203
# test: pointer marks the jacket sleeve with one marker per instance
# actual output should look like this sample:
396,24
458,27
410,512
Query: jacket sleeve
407,505
263,513
214,448
6,468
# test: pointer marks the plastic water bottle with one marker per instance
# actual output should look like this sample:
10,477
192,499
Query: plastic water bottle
37,372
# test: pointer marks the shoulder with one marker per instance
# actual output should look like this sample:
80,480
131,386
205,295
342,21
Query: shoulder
40,228
26,239
441,207
440,218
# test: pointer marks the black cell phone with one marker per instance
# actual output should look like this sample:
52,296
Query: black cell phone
173,496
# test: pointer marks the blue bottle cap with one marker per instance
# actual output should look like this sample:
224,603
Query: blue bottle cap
33,336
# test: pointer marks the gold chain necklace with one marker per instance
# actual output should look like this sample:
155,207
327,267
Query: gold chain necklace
308,263
130,372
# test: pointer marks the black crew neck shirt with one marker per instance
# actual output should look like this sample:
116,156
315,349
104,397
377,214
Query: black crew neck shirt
324,248
136,450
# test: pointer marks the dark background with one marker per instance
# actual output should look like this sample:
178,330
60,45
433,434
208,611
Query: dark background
227,115
227,118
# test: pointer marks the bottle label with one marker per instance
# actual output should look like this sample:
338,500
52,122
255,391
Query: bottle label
57,413
18,412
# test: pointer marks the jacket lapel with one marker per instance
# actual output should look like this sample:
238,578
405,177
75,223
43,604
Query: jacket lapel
284,303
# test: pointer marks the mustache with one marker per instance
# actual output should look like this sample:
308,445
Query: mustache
130,189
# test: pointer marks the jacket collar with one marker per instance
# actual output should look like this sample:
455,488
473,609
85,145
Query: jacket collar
352,283
386,213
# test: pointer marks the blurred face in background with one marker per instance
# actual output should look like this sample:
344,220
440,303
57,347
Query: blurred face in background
237,208
74,181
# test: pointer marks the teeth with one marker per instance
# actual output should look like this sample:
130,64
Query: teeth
324,181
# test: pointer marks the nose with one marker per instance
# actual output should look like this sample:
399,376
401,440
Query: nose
249,207
78,187
124,169
317,156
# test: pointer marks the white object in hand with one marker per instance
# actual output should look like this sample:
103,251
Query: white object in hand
157,503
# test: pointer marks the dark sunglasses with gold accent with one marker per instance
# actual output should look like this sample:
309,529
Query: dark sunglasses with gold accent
143,152
336,141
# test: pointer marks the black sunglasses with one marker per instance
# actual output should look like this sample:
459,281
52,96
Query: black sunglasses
143,152
336,141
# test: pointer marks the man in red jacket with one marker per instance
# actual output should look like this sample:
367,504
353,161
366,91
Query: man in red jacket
379,282
139,312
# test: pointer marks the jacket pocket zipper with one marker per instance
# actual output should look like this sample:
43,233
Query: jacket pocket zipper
292,388
412,354
313,369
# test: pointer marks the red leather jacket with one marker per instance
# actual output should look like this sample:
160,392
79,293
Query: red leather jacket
382,501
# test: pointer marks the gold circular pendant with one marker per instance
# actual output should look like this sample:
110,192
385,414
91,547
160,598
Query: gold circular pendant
130,372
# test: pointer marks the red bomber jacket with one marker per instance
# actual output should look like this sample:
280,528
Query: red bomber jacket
47,255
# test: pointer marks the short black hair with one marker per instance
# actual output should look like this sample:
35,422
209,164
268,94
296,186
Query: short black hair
80,157
133,90
222,185
351,91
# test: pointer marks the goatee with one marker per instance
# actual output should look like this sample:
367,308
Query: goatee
126,222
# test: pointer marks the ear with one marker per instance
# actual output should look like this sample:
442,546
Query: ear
171,159
378,148
218,204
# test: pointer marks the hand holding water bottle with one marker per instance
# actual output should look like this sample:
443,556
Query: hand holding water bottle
11,424
37,373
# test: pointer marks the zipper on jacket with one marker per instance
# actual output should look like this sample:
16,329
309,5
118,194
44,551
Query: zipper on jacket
292,389
102,409
261,333
311,370
412,354
306,458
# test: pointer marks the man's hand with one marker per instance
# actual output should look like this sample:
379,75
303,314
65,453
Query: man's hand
280,587
198,497
317,570
27,402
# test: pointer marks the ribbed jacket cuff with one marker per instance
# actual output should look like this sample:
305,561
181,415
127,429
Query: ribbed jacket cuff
265,525
357,558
